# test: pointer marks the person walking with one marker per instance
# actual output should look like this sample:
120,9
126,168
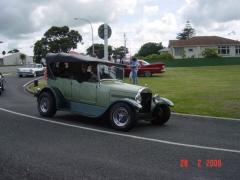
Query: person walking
134,67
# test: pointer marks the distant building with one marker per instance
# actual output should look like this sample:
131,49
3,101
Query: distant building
196,45
14,59
73,52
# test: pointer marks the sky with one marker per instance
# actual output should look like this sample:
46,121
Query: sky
23,22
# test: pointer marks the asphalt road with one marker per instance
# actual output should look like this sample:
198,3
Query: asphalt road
69,146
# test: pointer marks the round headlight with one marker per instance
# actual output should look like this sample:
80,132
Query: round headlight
156,98
138,98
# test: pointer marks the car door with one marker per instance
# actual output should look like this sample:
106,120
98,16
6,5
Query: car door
65,85
88,92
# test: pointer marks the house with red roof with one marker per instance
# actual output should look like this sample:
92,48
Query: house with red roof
194,46
73,52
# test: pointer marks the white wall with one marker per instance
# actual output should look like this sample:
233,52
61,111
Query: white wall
14,59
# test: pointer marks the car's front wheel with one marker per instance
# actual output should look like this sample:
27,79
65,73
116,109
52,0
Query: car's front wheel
47,105
122,117
161,115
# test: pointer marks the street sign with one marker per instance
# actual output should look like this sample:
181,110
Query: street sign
101,31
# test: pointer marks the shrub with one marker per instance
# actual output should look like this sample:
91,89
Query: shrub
167,56
210,53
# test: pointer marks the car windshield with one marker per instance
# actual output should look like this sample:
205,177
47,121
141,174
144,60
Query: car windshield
107,72
145,63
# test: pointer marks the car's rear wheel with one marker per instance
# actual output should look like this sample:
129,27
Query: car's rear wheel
147,74
47,105
122,117
161,115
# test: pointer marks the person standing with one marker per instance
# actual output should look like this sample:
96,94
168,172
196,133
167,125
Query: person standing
110,59
130,75
134,67
94,55
119,60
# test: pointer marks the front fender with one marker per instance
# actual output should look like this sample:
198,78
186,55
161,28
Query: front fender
56,92
165,102
131,102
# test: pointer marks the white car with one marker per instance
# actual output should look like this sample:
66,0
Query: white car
31,69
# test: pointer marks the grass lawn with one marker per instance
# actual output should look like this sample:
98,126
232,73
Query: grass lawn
209,91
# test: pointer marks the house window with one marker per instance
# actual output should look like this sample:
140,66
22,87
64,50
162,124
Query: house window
237,49
190,50
179,51
223,50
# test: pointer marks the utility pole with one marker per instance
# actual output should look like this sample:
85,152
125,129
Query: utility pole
124,46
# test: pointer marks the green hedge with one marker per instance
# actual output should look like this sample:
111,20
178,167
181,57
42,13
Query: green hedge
198,62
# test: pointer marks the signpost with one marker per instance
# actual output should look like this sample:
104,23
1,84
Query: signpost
104,32
101,31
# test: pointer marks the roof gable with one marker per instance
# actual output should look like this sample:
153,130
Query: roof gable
204,40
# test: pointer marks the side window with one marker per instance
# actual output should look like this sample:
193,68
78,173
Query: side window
60,69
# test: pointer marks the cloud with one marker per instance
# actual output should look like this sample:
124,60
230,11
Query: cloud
148,10
24,22
207,12
30,16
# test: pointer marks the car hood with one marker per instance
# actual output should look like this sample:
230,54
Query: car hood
124,90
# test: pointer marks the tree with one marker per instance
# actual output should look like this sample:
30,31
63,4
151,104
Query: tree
188,32
150,48
55,40
3,53
119,51
99,50
22,57
13,51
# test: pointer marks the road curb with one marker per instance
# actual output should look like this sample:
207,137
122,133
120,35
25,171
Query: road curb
25,86
209,117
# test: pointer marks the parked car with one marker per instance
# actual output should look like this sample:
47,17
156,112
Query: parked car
2,81
100,92
146,69
31,69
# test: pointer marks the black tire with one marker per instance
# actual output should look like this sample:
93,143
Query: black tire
2,86
147,74
122,117
20,75
47,105
161,115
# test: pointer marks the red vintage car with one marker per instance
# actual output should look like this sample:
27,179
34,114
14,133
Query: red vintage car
145,68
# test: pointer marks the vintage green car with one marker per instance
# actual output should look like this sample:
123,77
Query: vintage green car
95,88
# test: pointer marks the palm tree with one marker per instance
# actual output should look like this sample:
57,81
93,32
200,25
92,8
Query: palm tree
22,56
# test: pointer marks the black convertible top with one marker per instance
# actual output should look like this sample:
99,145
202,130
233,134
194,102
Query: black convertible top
66,57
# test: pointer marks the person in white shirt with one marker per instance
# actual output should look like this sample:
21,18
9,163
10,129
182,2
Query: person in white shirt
119,60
